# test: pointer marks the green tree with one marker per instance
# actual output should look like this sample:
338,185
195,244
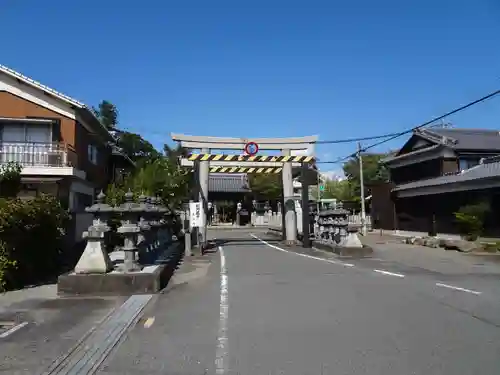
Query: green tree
173,153
340,190
137,148
373,171
107,113
155,174
470,219
10,180
266,186
163,178
133,145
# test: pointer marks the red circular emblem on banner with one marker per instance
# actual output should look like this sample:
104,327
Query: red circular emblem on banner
251,148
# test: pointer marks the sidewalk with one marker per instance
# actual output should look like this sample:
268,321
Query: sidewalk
37,326
405,234
38,292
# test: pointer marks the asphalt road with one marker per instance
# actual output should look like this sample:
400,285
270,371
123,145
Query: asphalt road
265,309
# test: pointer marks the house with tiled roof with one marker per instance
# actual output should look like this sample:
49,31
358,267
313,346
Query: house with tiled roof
62,147
437,171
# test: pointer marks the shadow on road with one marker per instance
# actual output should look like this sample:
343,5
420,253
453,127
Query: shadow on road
241,241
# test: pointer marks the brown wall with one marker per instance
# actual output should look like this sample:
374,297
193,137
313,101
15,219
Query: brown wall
417,213
382,206
72,133
449,165
415,172
13,106
97,173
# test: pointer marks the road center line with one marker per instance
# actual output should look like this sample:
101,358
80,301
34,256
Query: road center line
458,288
389,273
149,322
302,255
13,329
222,348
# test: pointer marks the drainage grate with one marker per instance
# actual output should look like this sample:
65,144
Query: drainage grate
92,350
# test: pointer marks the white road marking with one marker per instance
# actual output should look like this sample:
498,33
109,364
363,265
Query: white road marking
13,329
458,288
303,255
222,348
149,322
389,273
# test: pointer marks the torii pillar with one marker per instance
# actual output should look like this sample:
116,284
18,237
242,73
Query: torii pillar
203,179
290,228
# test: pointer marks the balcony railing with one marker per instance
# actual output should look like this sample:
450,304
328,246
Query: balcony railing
50,154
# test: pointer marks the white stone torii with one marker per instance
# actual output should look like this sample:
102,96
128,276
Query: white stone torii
285,145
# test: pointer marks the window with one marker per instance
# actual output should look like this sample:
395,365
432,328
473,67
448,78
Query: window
92,154
25,143
468,163
26,133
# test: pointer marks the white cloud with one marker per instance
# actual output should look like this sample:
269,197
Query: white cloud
337,175
306,152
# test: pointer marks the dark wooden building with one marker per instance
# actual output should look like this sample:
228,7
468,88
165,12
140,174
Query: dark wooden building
225,191
435,173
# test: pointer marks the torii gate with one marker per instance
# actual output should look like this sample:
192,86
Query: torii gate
253,164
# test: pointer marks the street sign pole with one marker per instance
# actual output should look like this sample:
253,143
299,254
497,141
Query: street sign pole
318,199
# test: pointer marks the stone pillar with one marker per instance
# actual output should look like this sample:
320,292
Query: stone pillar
203,178
290,220
238,217
306,239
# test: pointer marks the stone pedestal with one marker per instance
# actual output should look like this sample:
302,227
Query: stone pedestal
94,259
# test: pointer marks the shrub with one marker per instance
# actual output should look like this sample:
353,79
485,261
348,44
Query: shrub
10,180
470,219
31,240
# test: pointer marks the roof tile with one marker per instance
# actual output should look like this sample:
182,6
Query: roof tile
228,183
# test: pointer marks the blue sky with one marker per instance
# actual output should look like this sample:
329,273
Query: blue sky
338,69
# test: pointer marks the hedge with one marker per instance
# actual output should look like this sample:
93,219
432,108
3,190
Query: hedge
31,240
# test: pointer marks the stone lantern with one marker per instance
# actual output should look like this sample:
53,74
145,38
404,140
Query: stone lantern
130,230
95,258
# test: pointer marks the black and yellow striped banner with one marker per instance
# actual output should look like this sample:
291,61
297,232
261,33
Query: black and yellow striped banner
246,169
255,158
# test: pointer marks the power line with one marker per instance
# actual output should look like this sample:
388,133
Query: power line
349,140
391,137
460,109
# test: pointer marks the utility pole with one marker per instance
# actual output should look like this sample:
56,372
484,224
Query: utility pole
362,187
318,199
